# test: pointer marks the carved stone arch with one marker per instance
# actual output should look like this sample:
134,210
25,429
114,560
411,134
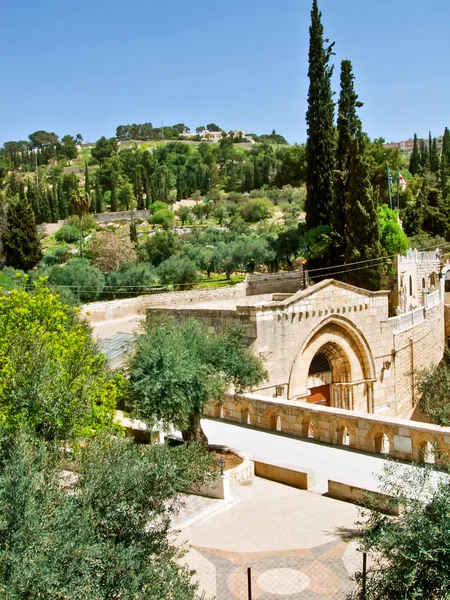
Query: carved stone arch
273,418
247,412
333,335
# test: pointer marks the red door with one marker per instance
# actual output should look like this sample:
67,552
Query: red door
319,395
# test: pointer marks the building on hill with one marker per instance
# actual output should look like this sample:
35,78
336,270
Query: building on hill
334,344
408,145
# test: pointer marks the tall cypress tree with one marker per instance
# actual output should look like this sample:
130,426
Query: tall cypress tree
424,157
434,157
21,245
98,199
348,126
87,185
414,161
444,171
362,225
320,145
355,215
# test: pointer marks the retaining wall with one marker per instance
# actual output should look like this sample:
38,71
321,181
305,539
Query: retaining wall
116,309
407,440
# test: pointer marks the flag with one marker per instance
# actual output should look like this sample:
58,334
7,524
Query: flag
402,182
389,175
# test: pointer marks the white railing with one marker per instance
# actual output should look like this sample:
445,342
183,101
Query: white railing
407,320
420,256
432,299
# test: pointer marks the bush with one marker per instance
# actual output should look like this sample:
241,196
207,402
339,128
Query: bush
179,271
85,281
56,256
393,238
11,279
89,223
161,246
68,234
162,217
157,206
256,209
131,278
108,251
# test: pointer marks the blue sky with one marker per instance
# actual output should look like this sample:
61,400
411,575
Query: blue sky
88,66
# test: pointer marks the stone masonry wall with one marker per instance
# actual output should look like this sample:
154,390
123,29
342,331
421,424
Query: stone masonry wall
417,348
116,309
271,283
406,440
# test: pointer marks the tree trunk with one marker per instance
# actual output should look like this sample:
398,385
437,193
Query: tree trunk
194,431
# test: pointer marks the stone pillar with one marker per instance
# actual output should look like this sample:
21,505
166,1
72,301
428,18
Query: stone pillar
370,397
351,404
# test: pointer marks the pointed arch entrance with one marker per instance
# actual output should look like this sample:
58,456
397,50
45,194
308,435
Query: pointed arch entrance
334,368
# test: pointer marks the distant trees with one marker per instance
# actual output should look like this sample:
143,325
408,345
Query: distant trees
104,149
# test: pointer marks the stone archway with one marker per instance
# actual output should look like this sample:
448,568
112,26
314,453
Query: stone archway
350,363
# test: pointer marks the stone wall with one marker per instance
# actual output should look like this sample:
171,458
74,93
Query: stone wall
117,309
125,215
271,283
398,438
417,348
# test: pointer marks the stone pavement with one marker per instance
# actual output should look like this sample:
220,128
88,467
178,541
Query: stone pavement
298,545
329,462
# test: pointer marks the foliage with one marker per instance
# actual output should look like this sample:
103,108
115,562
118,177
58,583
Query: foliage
393,238
433,387
105,535
160,246
424,241
21,246
131,278
178,368
85,281
178,271
104,149
68,234
56,256
107,251
87,223
256,209
162,217
53,380
320,144
408,553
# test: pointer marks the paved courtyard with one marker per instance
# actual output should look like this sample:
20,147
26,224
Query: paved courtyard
298,544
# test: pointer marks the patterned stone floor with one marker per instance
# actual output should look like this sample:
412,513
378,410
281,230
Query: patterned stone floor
321,572
297,544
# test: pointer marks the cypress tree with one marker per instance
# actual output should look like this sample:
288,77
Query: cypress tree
348,126
434,157
444,171
414,161
113,207
62,205
424,157
133,232
362,224
21,245
87,186
46,214
320,145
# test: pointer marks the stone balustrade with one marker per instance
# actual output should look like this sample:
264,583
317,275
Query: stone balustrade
419,256
398,438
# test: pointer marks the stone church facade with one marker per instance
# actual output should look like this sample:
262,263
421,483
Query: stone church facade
336,345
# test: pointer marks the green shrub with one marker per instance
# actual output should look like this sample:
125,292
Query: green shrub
89,222
56,256
84,281
67,234
178,271
131,278
256,209
157,206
